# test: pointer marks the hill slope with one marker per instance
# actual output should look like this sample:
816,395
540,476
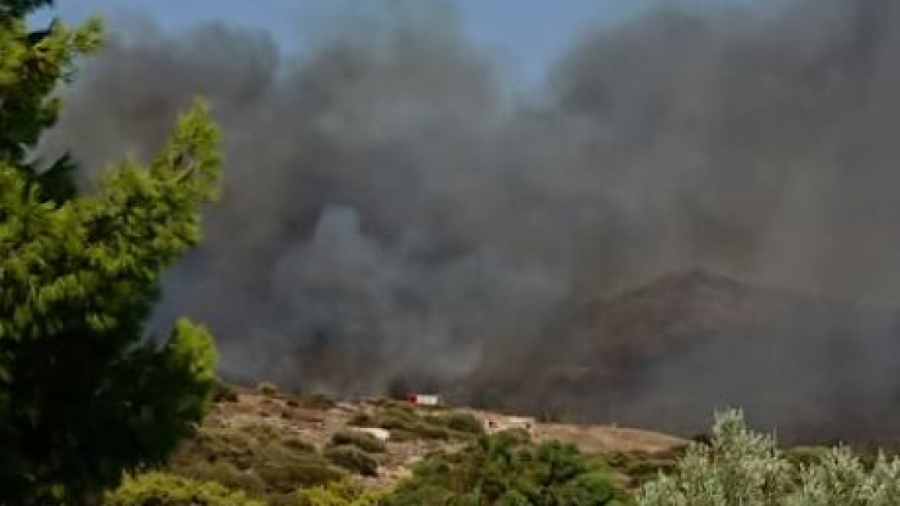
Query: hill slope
666,354
269,443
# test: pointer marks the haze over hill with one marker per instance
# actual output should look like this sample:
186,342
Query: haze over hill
391,210
666,353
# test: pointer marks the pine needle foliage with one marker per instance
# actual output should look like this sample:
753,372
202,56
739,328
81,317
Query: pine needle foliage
84,392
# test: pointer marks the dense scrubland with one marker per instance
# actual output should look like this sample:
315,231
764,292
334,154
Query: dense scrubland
93,413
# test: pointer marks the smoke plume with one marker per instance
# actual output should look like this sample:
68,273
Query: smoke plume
393,208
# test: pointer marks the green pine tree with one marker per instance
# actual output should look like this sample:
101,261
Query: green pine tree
84,393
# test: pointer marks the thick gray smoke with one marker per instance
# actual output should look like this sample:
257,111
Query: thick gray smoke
392,209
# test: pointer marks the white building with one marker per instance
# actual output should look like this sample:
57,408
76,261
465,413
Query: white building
499,423
423,399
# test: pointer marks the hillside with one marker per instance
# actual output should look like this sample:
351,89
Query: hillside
271,445
268,442
666,354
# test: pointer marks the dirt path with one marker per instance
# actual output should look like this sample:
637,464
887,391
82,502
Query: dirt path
600,438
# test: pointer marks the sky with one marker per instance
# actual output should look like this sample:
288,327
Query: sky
526,34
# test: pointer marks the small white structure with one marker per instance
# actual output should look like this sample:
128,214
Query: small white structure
423,400
378,433
497,423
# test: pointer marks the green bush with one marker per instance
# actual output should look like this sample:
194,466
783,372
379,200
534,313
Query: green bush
317,401
459,422
806,455
363,441
255,453
640,467
223,392
284,477
343,493
295,443
406,423
740,467
232,445
353,459
428,495
226,474
160,489
268,389
426,430
403,436
517,436
500,470
362,420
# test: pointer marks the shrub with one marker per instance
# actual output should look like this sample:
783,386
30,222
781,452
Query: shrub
428,431
736,467
297,444
284,477
352,459
363,441
160,489
427,495
214,444
516,436
460,422
343,493
499,470
806,455
241,446
223,392
362,420
739,467
225,474
405,423
317,401
281,463
403,436
640,467
268,389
